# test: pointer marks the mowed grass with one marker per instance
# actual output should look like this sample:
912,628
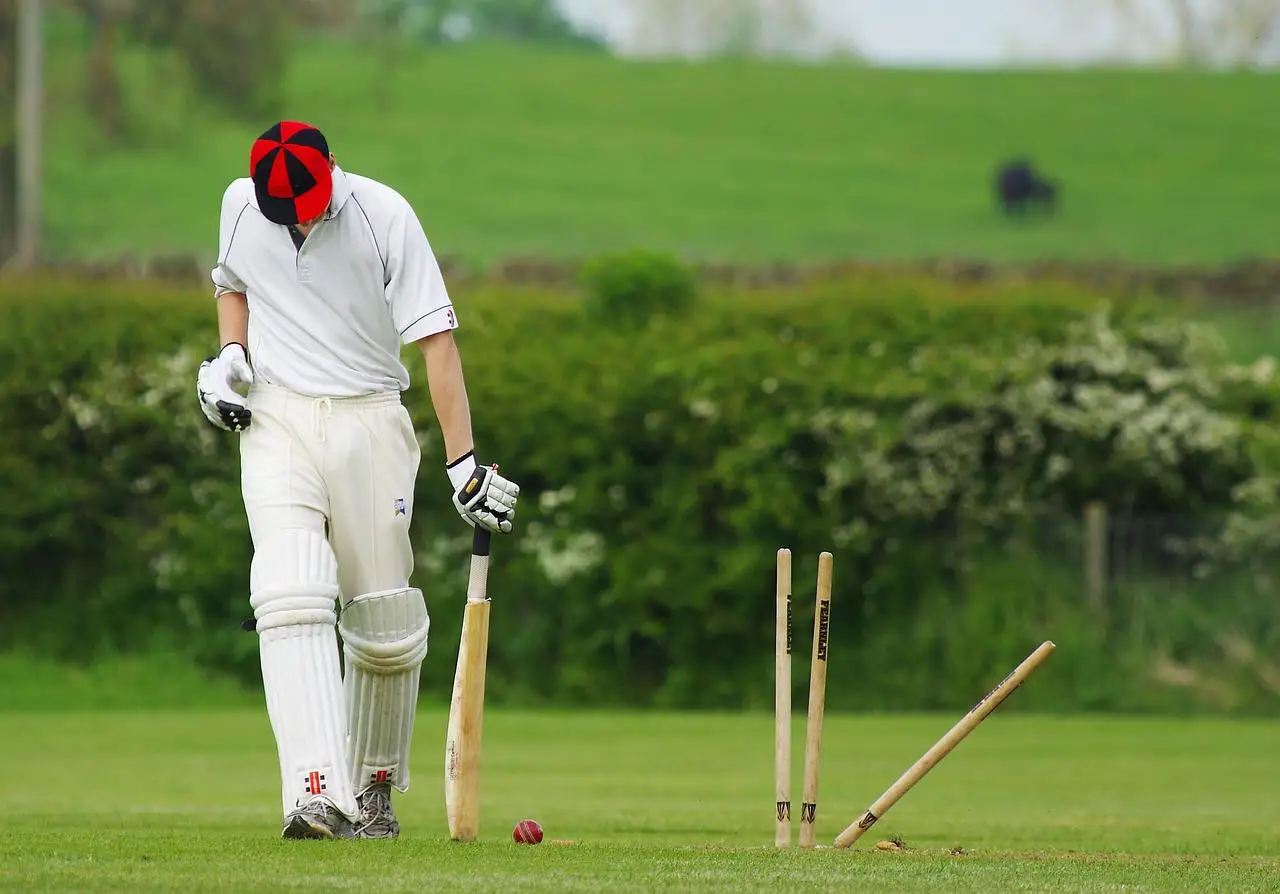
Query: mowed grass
515,151
188,801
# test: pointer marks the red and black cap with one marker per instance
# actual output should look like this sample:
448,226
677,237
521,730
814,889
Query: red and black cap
289,165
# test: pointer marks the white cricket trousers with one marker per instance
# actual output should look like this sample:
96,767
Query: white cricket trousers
328,491
342,467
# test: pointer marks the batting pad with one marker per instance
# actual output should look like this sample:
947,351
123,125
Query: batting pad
293,584
384,638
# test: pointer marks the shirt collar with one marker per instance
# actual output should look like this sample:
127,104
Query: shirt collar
341,192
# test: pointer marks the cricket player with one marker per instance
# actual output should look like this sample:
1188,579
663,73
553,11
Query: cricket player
321,276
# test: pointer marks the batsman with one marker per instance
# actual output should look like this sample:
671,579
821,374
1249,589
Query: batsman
321,277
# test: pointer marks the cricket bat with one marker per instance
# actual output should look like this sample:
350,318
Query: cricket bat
466,709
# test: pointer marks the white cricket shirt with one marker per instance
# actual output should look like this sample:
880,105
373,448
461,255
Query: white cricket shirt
328,319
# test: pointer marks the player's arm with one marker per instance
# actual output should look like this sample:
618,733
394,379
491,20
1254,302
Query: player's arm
219,377
233,319
448,393
480,494
229,290
423,314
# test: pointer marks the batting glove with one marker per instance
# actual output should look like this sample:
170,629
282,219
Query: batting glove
216,387
482,496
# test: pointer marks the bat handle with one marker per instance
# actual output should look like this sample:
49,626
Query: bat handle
481,538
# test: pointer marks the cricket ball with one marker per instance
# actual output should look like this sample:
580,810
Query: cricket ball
527,831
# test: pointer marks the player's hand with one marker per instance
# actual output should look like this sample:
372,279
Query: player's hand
482,496
216,388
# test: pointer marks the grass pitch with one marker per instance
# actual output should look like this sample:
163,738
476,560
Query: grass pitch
510,151
188,801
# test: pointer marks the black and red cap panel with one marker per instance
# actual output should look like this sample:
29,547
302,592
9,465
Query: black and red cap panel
289,165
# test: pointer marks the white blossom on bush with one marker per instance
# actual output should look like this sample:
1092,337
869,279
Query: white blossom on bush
562,555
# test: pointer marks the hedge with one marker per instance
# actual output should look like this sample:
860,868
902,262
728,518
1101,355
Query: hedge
913,428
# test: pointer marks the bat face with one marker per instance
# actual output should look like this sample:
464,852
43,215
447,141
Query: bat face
453,744
466,707
466,725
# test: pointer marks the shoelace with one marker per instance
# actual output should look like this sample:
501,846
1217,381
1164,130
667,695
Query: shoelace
317,805
375,809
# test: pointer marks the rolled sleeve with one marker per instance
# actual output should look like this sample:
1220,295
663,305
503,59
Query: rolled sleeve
225,282
416,291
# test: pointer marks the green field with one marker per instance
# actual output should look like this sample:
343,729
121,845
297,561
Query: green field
516,151
187,801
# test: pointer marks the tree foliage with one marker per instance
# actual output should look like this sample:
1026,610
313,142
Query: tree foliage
728,27
450,21
234,53
1201,32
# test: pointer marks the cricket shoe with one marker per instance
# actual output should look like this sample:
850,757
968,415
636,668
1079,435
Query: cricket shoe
377,819
317,818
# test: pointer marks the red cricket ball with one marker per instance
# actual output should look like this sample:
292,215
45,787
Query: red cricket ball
527,831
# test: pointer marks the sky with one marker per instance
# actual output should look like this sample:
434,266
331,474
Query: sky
951,33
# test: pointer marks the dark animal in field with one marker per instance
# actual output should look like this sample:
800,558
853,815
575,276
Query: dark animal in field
1021,189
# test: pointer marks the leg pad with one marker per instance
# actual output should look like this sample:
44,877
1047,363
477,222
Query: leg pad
294,586
384,638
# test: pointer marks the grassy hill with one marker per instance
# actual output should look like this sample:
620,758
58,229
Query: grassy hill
517,151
